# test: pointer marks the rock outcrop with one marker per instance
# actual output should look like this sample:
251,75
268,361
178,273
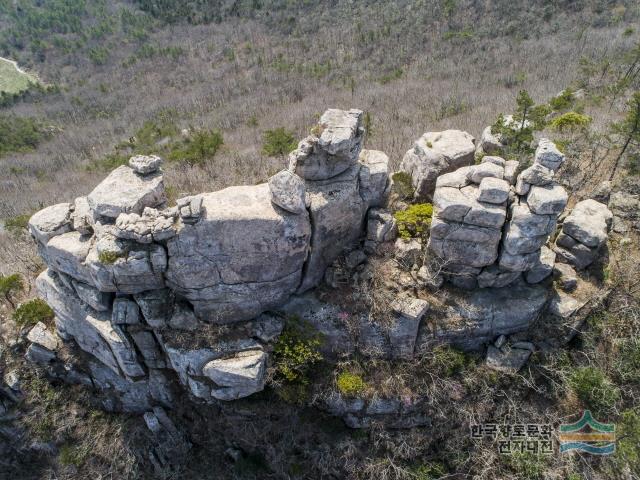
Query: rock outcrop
584,232
486,231
434,154
126,271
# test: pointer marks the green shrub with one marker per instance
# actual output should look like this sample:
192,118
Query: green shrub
594,389
296,351
562,102
570,120
32,312
18,224
403,185
107,257
429,471
73,455
350,384
278,142
448,360
99,55
415,220
10,285
628,439
20,134
196,150
527,465
528,117
627,362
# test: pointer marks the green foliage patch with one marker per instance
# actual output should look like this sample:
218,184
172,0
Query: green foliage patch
415,220
20,134
593,387
161,135
296,351
10,285
278,142
107,257
517,134
32,312
17,224
570,121
350,384
403,185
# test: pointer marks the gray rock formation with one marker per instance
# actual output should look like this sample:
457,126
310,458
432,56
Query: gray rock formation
483,234
434,154
125,191
135,283
584,232
145,164
333,150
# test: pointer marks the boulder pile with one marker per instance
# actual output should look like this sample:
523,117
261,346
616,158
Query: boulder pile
130,277
489,226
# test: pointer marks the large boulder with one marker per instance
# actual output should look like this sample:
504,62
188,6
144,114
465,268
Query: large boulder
490,143
125,191
548,155
238,376
588,223
287,191
333,149
547,199
50,221
242,257
434,154
67,253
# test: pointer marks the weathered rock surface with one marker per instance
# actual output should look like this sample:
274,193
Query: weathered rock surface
434,154
543,267
50,222
334,150
548,155
547,199
145,164
490,143
507,359
474,317
152,226
288,192
244,256
404,330
588,223
125,191
238,376
584,232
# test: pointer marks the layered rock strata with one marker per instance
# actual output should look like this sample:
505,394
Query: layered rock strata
487,229
127,272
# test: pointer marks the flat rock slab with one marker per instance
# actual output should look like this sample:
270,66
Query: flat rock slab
564,306
50,222
125,191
